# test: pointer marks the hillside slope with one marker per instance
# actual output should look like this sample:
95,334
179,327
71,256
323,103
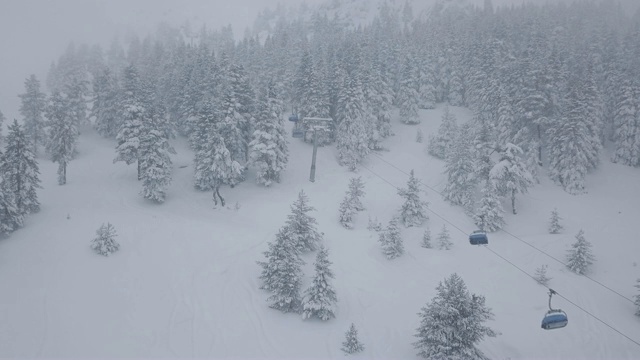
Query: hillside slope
185,282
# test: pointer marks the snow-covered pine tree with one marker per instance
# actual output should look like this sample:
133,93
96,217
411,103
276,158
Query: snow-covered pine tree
414,210
320,298
541,275
460,169
444,239
32,108
353,142
20,170
268,150
580,258
346,212
218,166
237,110
426,239
573,144
440,145
134,108
104,243
554,222
10,218
637,298
419,136
282,273
626,125
391,240
75,89
426,80
63,134
351,344
510,175
155,165
490,214
408,97
106,110
302,227
453,323
356,192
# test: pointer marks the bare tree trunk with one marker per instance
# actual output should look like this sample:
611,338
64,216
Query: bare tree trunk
513,202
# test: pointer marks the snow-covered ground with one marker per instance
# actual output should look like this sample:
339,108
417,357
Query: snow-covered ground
185,281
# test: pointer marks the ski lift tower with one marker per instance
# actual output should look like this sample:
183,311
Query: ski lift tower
316,125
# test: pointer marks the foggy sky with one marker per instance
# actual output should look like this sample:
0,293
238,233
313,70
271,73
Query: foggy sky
33,33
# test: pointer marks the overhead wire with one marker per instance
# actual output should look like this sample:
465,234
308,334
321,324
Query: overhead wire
514,236
507,260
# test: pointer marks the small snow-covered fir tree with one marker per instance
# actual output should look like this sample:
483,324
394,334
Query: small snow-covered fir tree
419,136
353,142
440,144
407,96
282,273
374,224
351,344
444,239
268,150
32,108
155,164
510,175
346,212
320,298
10,218
460,168
20,171
356,192
554,223
580,258
391,240
426,239
302,226
414,210
104,243
63,134
453,323
541,275
490,215
637,301
352,202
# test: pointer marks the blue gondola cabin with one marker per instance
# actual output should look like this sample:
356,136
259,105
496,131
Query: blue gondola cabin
554,319
478,237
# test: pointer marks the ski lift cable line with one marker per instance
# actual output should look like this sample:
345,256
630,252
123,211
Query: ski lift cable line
517,267
565,298
515,236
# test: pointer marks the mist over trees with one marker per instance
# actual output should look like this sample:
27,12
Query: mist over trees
559,88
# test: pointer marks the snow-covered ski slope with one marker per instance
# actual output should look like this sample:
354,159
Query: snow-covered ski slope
185,281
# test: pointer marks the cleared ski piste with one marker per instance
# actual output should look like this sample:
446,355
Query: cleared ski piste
185,281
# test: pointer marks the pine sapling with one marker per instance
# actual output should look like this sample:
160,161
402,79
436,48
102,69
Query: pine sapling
351,344
419,136
356,192
580,258
541,275
554,223
320,298
374,225
391,240
444,241
104,243
346,213
426,239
